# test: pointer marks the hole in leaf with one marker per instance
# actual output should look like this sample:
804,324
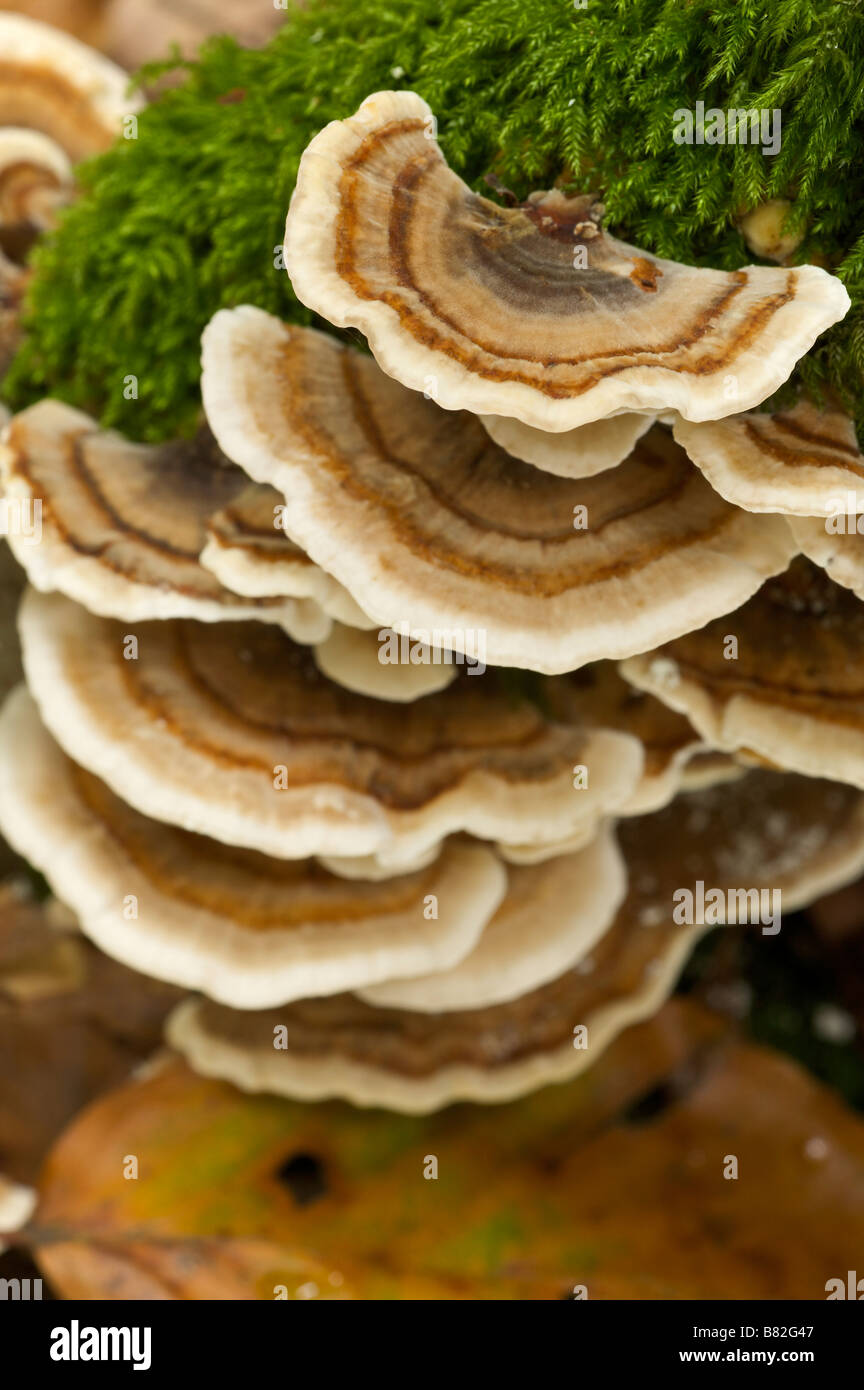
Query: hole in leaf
303,1175
652,1104
669,1092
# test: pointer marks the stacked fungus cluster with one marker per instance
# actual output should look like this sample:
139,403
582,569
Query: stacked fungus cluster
390,714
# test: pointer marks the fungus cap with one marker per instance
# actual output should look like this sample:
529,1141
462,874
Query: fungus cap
598,695
343,1048
836,544
53,83
230,730
121,525
357,661
35,178
770,831
552,916
246,929
802,462
533,311
248,551
709,767
792,695
577,453
549,572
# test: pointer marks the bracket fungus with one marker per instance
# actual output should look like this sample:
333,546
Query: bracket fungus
554,572
552,916
411,880
802,462
246,929
792,692
52,83
121,525
533,311
343,1048
836,545
248,551
35,180
577,453
229,729
60,101
356,660
792,835
710,767
598,694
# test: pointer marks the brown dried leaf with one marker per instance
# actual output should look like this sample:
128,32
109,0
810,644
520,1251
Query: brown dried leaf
72,1024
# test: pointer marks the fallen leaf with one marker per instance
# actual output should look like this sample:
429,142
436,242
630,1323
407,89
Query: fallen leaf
256,1197
614,1182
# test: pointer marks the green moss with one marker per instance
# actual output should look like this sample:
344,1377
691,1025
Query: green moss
185,219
